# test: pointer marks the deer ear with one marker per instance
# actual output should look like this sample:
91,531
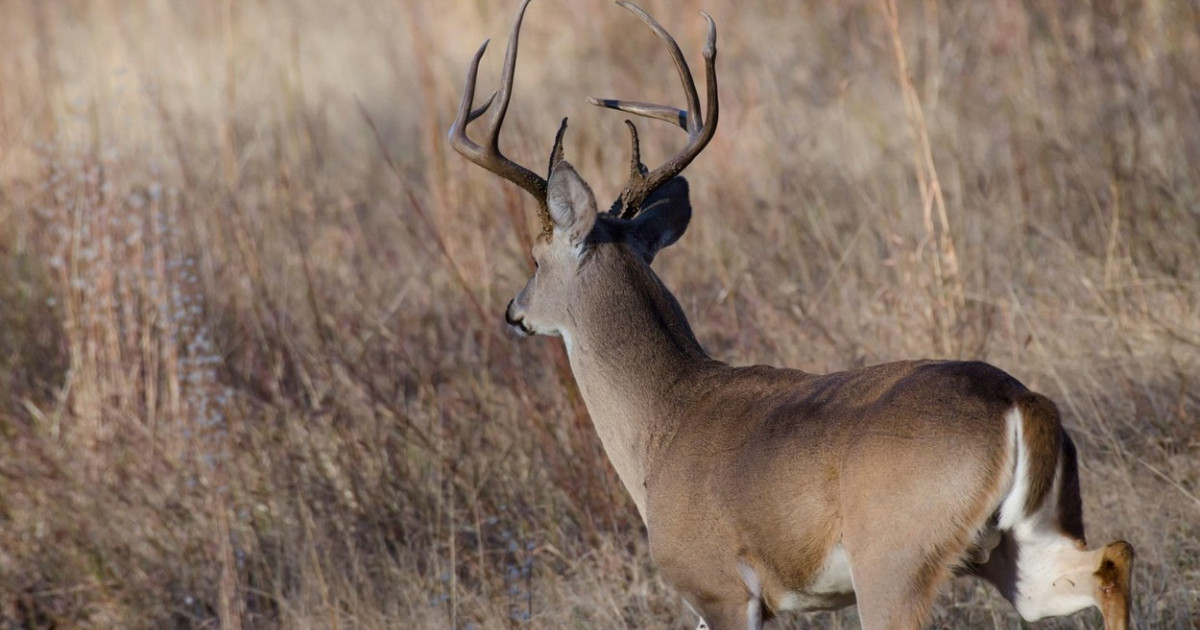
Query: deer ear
571,202
665,218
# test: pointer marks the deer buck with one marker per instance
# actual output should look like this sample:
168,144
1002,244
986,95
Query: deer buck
767,489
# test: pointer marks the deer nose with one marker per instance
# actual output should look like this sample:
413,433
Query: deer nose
519,324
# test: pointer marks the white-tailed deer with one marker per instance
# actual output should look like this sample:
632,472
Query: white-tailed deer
768,489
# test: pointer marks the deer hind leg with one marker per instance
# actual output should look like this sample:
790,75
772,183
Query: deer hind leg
895,587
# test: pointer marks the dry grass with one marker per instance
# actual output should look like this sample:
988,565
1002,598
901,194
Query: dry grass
252,376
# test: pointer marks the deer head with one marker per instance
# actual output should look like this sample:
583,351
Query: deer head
651,212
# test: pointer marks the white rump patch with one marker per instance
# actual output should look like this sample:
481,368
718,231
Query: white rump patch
1055,574
1012,509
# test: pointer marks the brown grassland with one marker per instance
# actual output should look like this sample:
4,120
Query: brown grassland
253,366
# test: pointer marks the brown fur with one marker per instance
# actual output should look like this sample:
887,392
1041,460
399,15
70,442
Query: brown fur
1043,441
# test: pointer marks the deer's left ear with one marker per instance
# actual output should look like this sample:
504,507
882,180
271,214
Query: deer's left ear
571,202
665,218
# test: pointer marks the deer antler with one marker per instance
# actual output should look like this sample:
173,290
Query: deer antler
488,155
641,182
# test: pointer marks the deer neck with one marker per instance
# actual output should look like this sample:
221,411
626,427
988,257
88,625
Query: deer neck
630,346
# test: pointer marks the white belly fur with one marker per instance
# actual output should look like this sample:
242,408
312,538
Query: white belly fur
831,589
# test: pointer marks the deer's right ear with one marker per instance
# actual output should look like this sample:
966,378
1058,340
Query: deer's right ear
572,204
665,218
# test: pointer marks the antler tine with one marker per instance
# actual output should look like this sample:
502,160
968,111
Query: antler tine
482,109
488,155
556,152
700,132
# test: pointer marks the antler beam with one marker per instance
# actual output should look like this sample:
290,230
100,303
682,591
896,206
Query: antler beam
488,155
642,183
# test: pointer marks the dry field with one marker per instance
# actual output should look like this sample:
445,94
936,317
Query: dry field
253,366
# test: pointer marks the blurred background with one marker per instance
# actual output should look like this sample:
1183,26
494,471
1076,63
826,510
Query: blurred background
253,366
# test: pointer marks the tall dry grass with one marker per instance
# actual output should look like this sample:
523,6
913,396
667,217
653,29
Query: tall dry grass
253,371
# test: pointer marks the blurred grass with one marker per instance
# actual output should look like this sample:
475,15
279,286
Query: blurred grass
253,377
